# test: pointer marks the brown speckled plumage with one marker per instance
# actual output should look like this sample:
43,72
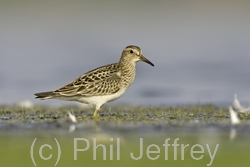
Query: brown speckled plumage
102,84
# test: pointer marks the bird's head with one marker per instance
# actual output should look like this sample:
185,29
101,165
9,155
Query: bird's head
134,54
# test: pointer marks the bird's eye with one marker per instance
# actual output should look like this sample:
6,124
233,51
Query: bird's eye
131,51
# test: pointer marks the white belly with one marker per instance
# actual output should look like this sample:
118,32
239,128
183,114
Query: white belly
100,100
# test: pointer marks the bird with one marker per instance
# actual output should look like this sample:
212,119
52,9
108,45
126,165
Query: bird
103,84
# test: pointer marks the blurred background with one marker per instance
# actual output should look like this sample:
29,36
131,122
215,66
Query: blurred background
201,49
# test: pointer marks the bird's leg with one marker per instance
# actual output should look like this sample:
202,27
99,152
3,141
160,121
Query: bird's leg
96,115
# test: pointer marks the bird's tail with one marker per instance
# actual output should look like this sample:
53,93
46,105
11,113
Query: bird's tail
44,95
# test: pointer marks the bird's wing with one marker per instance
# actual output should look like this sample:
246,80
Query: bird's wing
101,81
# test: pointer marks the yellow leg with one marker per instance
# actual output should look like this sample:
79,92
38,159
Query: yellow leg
96,115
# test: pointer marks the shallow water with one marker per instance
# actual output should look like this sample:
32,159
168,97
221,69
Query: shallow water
16,145
123,134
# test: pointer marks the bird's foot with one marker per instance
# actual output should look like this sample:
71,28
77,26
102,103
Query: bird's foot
96,116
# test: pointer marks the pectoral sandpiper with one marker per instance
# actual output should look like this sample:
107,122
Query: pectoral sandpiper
103,84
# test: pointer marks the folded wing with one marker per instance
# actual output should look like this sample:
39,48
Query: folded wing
101,81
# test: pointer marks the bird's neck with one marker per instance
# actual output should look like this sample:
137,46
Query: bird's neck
127,66
128,71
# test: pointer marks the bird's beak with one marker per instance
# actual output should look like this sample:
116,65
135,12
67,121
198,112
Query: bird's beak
146,60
